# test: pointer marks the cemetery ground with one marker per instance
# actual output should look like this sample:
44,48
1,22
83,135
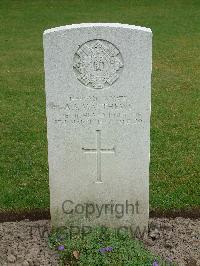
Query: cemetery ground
175,119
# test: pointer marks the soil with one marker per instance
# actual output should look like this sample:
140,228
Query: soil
44,214
176,240
26,242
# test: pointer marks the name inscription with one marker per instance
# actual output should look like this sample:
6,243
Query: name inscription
95,110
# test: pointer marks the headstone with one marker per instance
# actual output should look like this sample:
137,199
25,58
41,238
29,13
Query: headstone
98,94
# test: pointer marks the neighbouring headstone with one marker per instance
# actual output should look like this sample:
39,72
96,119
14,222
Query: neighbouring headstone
98,102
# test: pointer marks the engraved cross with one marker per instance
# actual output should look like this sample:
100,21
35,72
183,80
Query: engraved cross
98,151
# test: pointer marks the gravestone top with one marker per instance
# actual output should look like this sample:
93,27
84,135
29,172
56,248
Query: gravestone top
98,102
92,25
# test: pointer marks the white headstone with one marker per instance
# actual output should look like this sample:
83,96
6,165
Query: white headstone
98,94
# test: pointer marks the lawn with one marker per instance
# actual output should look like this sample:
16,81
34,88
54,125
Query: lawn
175,120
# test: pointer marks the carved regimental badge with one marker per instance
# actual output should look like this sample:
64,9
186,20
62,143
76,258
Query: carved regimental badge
97,64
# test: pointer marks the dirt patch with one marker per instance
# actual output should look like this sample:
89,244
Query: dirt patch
32,215
176,239
26,242
44,214
192,213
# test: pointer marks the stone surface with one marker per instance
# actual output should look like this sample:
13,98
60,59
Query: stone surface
98,93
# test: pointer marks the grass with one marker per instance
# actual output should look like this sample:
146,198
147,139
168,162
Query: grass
100,246
175,145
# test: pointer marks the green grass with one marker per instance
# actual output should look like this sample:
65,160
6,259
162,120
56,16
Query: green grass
89,246
175,123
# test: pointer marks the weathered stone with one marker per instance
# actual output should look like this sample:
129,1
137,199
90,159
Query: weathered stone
98,94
